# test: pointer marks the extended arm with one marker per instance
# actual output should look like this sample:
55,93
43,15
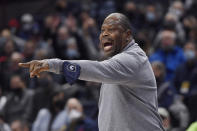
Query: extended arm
120,68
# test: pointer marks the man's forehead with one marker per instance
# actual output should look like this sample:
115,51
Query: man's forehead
111,20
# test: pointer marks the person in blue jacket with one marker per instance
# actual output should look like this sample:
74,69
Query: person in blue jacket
168,53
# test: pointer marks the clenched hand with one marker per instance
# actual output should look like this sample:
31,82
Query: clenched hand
35,67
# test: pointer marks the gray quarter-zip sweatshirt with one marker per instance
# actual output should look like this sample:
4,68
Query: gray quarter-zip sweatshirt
128,96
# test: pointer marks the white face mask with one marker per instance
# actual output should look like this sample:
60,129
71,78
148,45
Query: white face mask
189,54
74,114
177,12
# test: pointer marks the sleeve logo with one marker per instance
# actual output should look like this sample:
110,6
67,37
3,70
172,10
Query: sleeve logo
71,68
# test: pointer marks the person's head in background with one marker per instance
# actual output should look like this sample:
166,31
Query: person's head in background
61,5
170,21
193,34
17,85
19,125
168,39
72,49
57,102
41,54
63,33
115,34
45,82
27,21
74,109
159,72
29,50
16,58
9,47
130,9
190,52
151,13
6,34
52,22
177,8
165,116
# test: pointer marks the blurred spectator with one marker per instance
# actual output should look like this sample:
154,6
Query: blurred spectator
11,67
54,117
29,26
29,50
185,78
8,48
172,22
179,114
167,120
90,35
190,23
165,90
106,7
152,18
60,44
19,125
18,101
7,35
169,53
186,74
168,99
4,126
135,16
177,8
165,116
72,49
193,34
13,25
44,87
51,24
77,120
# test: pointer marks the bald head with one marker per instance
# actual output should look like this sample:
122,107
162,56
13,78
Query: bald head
120,19
115,34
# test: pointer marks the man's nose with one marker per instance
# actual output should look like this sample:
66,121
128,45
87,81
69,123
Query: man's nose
105,33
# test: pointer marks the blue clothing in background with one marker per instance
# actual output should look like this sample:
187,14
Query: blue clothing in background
166,93
171,60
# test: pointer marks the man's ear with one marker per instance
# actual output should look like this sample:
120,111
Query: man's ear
128,35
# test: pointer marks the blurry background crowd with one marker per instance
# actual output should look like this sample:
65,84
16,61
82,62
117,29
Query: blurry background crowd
69,29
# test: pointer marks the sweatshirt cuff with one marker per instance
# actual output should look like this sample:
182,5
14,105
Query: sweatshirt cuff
55,65
71,71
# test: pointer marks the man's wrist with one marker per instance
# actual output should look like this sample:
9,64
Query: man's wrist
54,65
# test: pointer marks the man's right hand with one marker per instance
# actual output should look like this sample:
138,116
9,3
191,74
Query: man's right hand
35,67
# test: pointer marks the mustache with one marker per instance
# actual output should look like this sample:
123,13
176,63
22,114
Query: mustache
104,40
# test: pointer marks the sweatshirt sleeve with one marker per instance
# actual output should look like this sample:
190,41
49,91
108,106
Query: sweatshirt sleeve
120,68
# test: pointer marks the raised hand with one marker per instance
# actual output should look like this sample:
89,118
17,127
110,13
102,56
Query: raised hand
35,67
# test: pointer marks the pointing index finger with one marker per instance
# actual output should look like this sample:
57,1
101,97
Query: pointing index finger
26,65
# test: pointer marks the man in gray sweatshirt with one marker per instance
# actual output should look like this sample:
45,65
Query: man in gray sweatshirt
128,96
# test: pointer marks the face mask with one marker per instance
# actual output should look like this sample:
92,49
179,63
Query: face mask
177,12
71,53
150,16
189,54
74,114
